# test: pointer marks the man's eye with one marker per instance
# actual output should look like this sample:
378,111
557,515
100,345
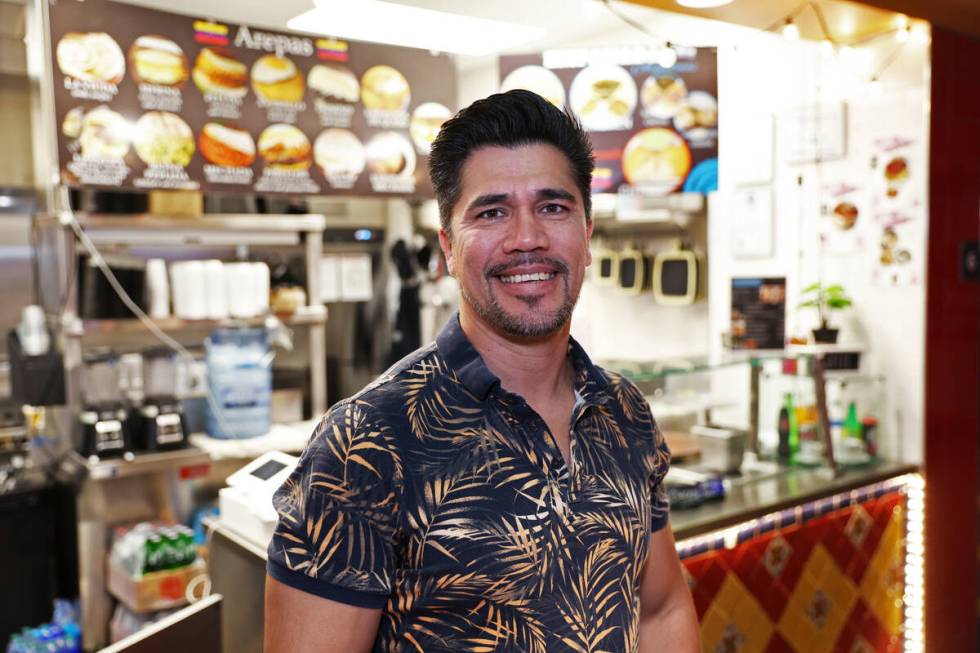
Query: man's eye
491,213
553,208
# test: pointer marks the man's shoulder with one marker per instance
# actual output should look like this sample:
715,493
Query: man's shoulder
386,392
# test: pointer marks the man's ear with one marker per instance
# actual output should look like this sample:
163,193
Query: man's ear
446,244
589,228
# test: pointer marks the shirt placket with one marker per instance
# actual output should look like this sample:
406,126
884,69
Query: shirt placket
540,438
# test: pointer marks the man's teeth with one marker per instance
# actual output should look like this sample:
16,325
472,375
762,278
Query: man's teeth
522,278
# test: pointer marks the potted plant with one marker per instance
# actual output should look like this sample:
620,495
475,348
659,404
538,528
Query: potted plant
825,299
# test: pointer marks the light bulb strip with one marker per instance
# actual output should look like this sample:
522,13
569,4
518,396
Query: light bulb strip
914,597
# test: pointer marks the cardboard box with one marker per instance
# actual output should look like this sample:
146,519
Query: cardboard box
159,590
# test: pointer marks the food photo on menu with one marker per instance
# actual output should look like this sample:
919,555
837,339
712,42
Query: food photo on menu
657,160
662,97
218,73
285,147
427,120
384,88
340,156
226,145
603,96
91,57
159,61
163,138
277,79
99,133
333,84
390,153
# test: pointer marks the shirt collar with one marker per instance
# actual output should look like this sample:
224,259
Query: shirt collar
463,358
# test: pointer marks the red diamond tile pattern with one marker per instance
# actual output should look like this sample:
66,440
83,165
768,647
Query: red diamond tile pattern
770,567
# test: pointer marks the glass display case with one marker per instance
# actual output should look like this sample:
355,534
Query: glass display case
802,406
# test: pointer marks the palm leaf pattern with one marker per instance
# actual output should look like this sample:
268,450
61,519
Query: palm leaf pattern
433,491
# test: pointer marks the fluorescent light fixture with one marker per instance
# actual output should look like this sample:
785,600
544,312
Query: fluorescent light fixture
702,4
413,27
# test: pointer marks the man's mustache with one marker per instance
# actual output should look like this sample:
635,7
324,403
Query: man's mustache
527,259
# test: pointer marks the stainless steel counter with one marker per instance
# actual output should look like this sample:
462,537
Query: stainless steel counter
790,488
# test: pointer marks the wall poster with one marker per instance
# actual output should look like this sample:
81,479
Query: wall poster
652,128
146,99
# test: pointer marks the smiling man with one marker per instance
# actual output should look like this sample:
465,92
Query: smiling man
495,491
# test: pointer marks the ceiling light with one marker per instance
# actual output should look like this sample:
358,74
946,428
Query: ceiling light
413,27
791,31
920,34
826,47
702,4
667,57
902,34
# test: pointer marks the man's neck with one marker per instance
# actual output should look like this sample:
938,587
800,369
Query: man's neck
534,368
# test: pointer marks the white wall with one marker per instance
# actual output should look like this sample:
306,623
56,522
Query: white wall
762,74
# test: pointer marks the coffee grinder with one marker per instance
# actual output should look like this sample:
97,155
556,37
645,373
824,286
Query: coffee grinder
104,417
161,423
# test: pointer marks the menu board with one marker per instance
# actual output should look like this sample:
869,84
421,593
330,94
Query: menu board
758,313
653,128
146,99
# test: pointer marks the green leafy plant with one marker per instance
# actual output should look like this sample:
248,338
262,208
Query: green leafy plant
825,299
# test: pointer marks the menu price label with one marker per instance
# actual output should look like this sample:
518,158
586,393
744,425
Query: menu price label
147,99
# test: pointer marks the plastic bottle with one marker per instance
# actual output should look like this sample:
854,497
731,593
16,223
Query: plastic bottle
783,451
240,380
852,426
792,428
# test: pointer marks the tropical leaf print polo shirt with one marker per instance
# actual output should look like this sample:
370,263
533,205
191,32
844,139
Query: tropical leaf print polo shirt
436,495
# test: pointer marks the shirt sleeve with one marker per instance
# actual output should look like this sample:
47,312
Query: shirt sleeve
659,502
335,536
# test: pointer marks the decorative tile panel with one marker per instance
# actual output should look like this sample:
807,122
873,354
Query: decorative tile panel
826,577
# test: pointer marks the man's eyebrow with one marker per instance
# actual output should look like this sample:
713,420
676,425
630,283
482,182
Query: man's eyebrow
487,200
555,194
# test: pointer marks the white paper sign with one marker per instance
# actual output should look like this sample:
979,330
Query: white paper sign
751,224
356,282
330,279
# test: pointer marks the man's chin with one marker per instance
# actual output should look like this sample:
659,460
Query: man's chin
529,323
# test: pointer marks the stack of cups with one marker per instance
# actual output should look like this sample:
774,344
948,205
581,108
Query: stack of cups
215,290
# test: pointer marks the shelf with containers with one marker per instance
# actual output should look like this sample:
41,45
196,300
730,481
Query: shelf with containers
149,486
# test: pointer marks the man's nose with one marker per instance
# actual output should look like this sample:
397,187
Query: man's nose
527,232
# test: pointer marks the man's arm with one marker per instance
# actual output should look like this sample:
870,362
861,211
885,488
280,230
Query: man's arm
298,622
668,621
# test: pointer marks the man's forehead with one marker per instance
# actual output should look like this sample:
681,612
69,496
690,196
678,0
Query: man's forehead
496,169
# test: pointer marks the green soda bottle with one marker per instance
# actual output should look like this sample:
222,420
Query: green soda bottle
188,547
154,551
171,548
794,429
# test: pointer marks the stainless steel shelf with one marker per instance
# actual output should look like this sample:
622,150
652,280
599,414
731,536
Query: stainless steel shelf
216,229
146,463
206,222
306,316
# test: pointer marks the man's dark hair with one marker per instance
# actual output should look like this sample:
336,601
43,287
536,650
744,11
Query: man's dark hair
510,119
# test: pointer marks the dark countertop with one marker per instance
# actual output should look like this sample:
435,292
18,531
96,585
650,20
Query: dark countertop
792,487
